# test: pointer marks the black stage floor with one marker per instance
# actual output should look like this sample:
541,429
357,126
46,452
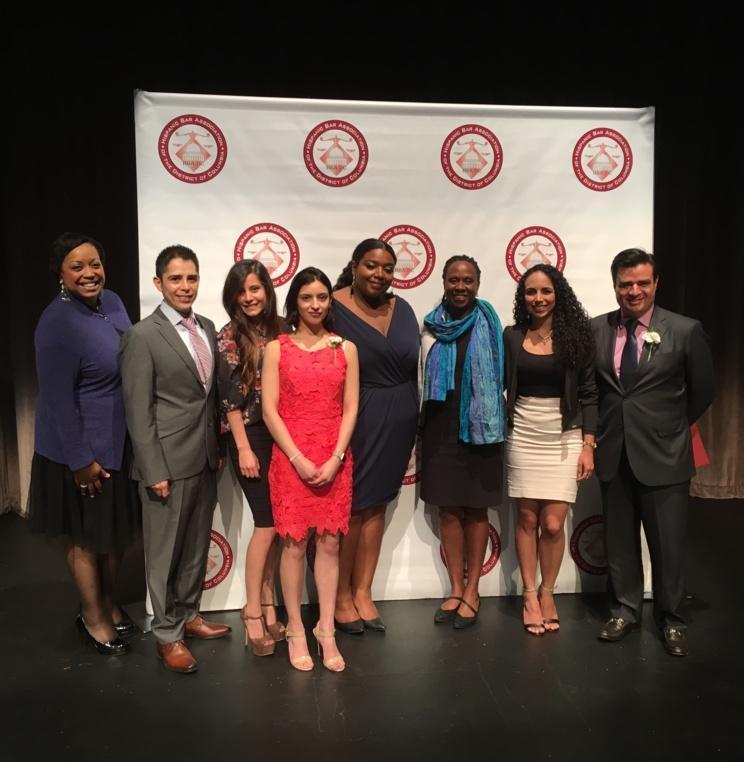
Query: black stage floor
419,692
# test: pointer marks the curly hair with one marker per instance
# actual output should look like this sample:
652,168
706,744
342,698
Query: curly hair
243,328
572,333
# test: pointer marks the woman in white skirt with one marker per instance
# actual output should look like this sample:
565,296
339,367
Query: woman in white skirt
551,410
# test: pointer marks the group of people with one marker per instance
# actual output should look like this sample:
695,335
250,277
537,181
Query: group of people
318,411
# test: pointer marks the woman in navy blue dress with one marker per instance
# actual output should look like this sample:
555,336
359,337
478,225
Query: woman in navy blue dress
385,331
80,485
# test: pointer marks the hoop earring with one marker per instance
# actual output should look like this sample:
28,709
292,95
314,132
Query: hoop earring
63,295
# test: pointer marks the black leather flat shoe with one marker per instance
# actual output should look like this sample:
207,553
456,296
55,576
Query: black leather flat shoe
461,622
442,616
376,624
350,628
115,647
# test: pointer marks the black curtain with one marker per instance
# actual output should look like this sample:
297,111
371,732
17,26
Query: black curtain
69,137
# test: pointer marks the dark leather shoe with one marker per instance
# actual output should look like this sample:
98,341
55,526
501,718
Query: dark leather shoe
442,616
126,627
200,628
115,647
350,628
616,628
461,622
176,657
675,641
376,624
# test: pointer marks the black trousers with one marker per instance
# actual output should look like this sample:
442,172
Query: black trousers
627,504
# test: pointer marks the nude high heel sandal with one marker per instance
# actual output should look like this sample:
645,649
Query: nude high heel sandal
303,663
335,663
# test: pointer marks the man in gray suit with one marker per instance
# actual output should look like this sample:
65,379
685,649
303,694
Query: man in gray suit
167,368
655,378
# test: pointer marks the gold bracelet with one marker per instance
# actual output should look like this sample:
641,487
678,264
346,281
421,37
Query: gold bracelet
295,456
588,443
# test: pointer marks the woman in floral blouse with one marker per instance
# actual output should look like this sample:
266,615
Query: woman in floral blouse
249,299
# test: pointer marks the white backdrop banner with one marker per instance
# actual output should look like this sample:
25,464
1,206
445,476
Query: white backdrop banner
300,182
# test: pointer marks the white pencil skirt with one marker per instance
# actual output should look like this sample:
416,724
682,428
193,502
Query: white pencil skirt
541,460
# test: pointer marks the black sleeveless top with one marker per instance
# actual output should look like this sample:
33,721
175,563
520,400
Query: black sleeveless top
539,375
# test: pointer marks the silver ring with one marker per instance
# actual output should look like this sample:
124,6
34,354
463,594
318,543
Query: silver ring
83,486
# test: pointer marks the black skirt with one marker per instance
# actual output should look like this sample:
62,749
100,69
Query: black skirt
101,524
455,474
256,491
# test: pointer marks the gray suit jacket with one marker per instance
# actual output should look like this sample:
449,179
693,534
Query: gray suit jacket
672,388
172,419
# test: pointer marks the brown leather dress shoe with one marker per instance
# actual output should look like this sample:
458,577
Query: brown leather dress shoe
615,629
200,628
675,641
176,657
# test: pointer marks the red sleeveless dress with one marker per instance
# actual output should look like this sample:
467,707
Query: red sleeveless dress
311,395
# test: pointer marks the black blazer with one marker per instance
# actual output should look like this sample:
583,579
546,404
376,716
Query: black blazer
580,398
651,419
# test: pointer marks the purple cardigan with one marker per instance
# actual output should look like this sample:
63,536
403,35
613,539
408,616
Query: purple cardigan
80,409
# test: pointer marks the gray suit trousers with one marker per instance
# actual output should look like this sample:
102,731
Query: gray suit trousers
176,534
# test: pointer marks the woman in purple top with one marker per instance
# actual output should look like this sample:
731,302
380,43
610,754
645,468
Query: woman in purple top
80,484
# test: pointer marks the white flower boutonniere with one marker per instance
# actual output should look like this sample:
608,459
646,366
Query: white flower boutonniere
652,340
334,342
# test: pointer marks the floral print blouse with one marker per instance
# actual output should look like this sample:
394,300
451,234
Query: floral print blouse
232,391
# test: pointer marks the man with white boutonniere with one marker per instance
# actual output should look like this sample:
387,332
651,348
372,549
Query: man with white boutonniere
655,377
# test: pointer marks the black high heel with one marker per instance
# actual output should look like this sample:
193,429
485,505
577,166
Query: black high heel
126,627
115,647
376,624
350,628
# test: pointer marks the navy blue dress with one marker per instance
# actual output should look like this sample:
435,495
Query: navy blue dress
388,402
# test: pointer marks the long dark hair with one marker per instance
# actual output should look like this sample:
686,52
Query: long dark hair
303,278
243,329
368,244
572,333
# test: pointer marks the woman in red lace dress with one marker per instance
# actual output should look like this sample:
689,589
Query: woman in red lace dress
310,399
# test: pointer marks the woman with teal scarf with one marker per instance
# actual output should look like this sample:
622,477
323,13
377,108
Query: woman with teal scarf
462,429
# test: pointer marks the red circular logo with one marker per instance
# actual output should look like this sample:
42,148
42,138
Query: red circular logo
471,156
534,246
335,153
587,546
415,255
413,474
602,159
272,245
219,560
192,148
493,558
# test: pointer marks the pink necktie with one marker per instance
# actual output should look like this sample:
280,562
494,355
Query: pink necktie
203,356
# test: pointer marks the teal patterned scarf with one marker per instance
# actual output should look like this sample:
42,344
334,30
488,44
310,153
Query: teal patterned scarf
482,395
